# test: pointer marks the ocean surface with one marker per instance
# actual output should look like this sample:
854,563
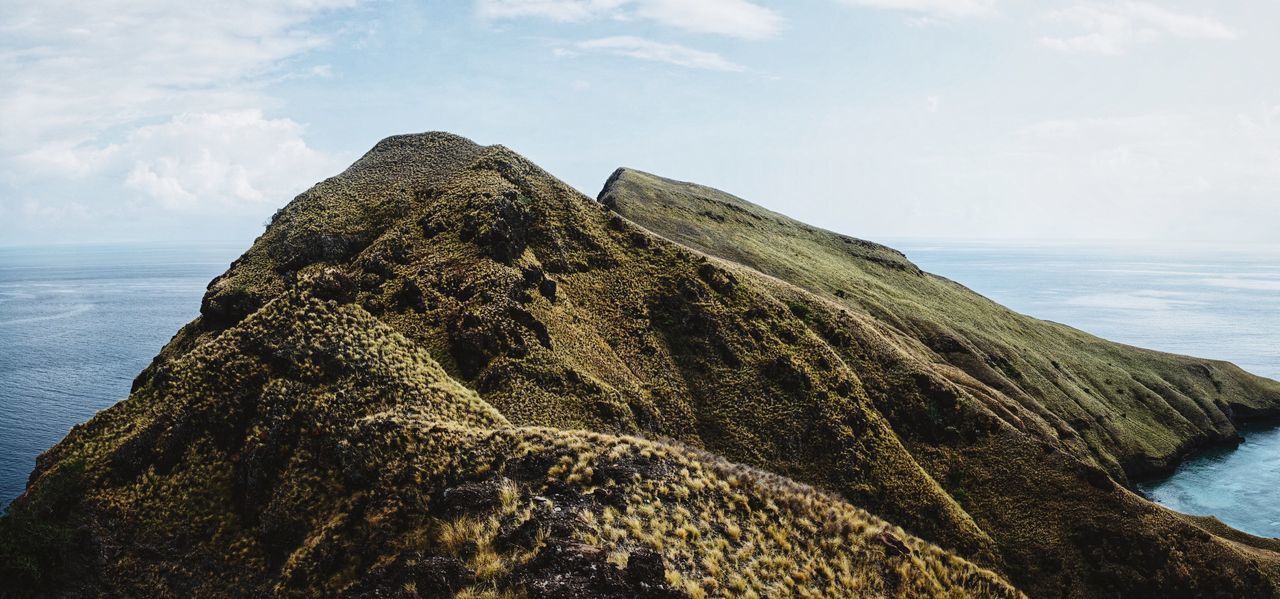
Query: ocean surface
1211,302
78,323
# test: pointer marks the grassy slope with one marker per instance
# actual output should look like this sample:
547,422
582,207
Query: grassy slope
312,450
563,315
1127,410
559,314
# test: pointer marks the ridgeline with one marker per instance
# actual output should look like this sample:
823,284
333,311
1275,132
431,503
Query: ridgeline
444,372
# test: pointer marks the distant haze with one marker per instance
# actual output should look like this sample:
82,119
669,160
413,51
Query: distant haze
978,119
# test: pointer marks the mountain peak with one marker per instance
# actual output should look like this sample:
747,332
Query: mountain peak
429,156
725,222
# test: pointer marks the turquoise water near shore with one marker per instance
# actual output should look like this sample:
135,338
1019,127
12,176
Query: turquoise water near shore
78,323
1212,302
1239,485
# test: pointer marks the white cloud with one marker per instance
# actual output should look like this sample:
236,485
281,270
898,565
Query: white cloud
64,159
937,9
557,10
1115,28
201,162
676,54
73,69
1144,155
86,83
204,161
36,210
735,18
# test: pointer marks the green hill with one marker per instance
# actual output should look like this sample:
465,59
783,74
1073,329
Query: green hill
445,371
1130,411
1062,413
312,450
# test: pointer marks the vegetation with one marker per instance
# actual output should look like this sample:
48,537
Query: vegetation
312,450
1130,411
37,535
446,372
1025,422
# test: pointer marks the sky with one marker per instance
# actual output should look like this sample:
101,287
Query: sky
1058,120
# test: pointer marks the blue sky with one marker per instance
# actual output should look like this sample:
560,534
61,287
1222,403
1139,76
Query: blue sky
976,119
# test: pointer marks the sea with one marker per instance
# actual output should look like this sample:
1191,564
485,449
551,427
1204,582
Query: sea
1218,302
77,323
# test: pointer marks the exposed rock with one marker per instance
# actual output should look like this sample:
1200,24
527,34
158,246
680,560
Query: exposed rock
892,543
479,496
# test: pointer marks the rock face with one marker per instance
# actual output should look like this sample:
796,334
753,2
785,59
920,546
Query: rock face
446,372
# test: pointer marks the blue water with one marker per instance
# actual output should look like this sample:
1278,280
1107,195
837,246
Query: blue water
1210,302
76,325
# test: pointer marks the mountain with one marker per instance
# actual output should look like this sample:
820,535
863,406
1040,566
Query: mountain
1065,415
1130,411
445,371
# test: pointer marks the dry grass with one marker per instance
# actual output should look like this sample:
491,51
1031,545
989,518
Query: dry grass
338,469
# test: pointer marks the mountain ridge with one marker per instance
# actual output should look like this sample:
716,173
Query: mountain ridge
609,194
621,319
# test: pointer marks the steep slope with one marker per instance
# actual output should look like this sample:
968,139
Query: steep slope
464,267
559,314
1131,411
945,356
312,450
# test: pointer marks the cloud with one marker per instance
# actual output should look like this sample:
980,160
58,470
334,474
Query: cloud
203,161
65,159
636,47
734,18
1152,155
1115,28
74,69
556,10
154,98
937,9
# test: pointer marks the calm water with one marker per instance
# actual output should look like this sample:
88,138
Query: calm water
76,325
1214,303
